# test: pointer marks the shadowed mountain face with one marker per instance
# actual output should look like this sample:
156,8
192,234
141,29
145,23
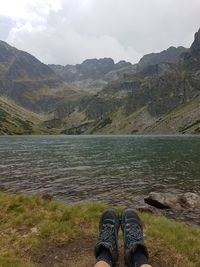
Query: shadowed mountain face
192,57
105,68
29,82
160,94
93,69
171,55
21,65
158,97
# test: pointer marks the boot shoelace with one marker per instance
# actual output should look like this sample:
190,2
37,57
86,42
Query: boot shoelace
108,234
133,234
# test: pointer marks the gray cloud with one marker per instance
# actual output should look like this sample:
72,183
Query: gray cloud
6,25
121,29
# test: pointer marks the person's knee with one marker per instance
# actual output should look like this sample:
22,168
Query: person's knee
102,264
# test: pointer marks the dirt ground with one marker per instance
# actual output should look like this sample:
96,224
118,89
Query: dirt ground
80,253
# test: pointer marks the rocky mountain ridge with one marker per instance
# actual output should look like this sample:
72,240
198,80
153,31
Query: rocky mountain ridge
158,99
93,69
170,55
161,94
94,74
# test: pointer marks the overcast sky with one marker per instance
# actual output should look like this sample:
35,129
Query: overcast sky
70,31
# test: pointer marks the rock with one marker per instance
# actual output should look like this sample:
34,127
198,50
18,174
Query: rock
162,200
189,201
172,201
192,57
171,55
34,230
92,69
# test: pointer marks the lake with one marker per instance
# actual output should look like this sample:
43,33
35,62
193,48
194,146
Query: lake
113,169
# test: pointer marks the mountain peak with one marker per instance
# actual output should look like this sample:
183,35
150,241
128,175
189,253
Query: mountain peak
196,44
192,57
104,60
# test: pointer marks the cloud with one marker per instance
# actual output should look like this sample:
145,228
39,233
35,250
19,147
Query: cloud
6,24
69,31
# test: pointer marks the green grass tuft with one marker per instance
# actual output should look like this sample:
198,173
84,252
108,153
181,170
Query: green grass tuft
30,225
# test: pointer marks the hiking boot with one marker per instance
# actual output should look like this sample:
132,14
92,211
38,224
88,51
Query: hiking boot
108,234
133,235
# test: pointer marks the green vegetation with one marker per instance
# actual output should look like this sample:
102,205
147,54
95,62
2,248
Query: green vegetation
191,125
77,130
17,120
36,230
101,124
14,125
53,123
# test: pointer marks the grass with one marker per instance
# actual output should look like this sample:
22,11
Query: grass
17,120
33,230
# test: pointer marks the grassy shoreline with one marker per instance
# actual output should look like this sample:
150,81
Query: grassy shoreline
38,232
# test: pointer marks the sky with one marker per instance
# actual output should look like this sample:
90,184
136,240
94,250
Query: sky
70,31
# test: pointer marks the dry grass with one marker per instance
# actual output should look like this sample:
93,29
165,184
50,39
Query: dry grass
37,232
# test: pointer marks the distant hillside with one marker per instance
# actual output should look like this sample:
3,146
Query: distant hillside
171,55
17,120
162,98
94,74
29,82
93,69
160,94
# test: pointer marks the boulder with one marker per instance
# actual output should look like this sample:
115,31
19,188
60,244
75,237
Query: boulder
189,201
171,201
162,200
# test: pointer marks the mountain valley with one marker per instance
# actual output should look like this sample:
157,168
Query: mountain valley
160,94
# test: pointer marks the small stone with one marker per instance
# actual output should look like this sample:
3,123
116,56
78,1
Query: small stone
34,230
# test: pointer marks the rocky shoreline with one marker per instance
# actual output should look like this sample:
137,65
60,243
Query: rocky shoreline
181,207
184,207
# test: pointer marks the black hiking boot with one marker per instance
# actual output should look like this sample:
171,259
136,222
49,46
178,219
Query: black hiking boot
133,235
108,235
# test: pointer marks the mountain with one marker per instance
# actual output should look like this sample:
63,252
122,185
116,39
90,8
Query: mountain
30,83
93,69
192,57
94,74
160,94
161,98
17,120
171,55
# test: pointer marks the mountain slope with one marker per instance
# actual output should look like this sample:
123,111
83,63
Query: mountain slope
94,69
17,120
94,74
159,95
142,102
171,55
29,82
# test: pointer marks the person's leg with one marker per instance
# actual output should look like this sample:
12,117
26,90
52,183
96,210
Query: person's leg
102,264
106,249
136,254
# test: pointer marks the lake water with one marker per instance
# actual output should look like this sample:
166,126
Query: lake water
113,169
